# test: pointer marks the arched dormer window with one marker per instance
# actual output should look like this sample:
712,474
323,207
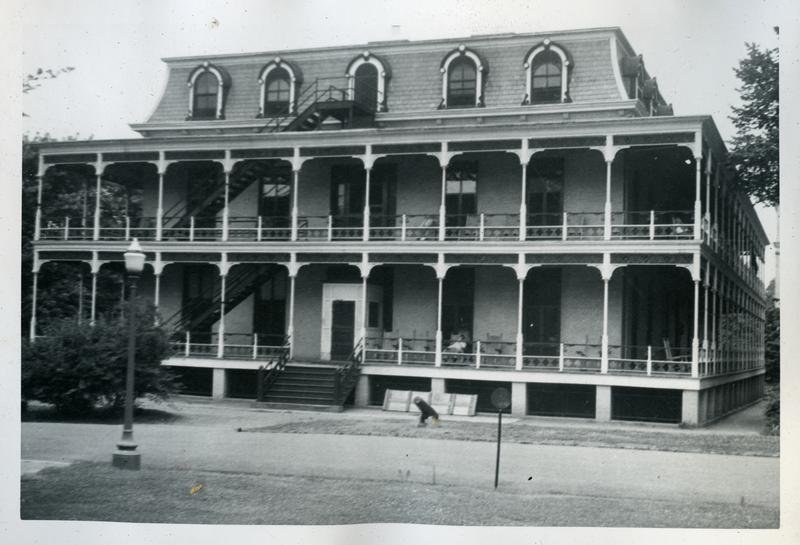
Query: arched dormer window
547,68
278,81
366,80
207,87
463,74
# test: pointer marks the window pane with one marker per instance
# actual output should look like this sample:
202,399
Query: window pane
469,186
453,187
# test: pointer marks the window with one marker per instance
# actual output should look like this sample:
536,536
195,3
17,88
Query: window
546,74
542,312
277,94
545,191
547,67
269,309
278,81
347,195
458,292
461,80
383,194
461,192
367,75
276,192
463,73
206,88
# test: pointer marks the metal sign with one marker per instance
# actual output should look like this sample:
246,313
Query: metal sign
501,398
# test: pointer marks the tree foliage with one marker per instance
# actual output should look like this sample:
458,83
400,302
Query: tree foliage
67,191
755,146
78,367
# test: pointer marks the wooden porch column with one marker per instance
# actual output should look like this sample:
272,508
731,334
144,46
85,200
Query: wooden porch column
34,290
440,280
97,190
604,338
698,165
519,348
221,329
523,206
706,285
364,306
160,209
365,234
707,211
38,226
695,328
607,208
442,208
226,208
93,311
290,327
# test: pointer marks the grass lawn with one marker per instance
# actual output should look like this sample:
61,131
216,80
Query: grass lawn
527,432
87,491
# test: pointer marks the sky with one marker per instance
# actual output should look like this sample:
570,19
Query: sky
690,46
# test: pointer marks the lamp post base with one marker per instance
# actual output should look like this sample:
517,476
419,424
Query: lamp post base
126,456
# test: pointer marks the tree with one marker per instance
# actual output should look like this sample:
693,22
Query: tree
78,367
755,146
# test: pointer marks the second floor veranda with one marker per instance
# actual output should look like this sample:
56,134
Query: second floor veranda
645,194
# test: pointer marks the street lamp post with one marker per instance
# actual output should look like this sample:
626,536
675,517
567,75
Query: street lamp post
126,456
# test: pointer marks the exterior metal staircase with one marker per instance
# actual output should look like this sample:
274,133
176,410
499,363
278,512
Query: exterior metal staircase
209,195
310,385
328,98
203,311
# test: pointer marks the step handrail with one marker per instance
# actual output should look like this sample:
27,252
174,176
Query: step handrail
267,377
347,374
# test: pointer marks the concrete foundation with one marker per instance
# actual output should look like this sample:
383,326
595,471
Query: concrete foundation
218,384
603,403
519,399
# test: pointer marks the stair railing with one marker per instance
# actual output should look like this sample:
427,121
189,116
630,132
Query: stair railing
266,377
347,375
207,303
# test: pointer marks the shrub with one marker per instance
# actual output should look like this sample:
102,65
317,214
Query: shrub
773,411
78,367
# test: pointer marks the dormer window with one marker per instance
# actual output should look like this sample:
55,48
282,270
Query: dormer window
277,94
207,86
463,74
547,66
278,80
367,75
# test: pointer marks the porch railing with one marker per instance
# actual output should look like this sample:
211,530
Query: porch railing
330,227
239,346
650,360
260,228
652,224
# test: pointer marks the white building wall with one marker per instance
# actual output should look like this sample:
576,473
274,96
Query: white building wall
495,311
415,301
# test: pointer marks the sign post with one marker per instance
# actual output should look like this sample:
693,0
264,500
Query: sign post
501,399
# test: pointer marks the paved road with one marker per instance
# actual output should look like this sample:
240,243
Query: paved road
534,469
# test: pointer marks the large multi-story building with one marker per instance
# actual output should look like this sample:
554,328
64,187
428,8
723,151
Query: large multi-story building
518,210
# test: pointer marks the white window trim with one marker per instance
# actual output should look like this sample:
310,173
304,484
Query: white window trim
565,66
462,51
206,67
367,58
262,82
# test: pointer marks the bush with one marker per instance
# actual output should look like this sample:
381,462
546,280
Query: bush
773,411
80,367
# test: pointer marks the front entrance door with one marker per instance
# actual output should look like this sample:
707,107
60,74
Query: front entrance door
343,324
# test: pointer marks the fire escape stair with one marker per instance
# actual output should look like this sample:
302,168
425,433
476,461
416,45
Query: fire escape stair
201,314
210,192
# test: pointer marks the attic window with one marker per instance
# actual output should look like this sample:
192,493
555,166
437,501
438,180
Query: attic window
463,73
366,81
278,81
547,66
207,84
